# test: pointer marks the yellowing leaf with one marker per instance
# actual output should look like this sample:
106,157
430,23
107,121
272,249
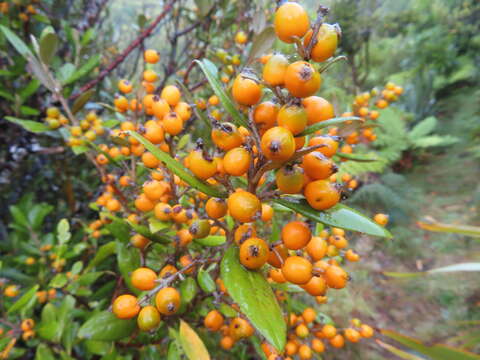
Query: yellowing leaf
191,343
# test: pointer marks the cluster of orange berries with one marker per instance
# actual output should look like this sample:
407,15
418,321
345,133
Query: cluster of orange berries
25,9
167,298
360,108
307,336
232,330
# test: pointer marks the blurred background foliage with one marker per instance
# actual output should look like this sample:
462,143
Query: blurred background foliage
428,143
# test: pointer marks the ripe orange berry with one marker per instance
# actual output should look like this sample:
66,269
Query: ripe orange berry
304,352
183,110
278,144
244,232
244,206
381,219
167,301
125,86
213,321
149,160
321,194
297,270
265,115
267,212
352,335
163,211
216,208
336,277
274,70
277,276
291,348
330,148
139,241
366,331
246,91
237,161
172,123
254,253
154,132
241,37
317,248
171,94
240,328
290,20
227,343
168,270
309,315
338,241
154,189
277,255
293,118
226,136
316,286
143,203
329,331
302,80
149,76
144,278
318,109
27,324
327,41
125,307
350,255
318,346
296,235
151,56
317,166
200,166
160,107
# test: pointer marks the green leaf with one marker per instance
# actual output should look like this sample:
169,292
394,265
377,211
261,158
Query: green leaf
188,290
211,240
99,347
15,41
423,128
65,71
178,168
58,281
435,351
29,90
120,230
48,47
204,6
445,269
211,72
251,291
82,100
227,310
205,281
262,43
105,326
435,226
330,122
358,157
29,111
63,231
101,254
22,301
84,69
199,113
29,125
43,353
400,353
340,216
191,343
128,260
87,36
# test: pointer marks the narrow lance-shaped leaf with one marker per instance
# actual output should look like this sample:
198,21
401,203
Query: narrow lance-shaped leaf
16,42
251,291
48,47
358,157
191,343
330,122
396,351
82,100
435,351
29,125
178,168
188,96
105,326
210,72
338,216
23,300
445,269
432,225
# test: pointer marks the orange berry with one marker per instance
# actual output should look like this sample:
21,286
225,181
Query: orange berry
125,307
226,136
139,241
200,166
296,235
291,20
143,203
148,318
329,331
171,94
293,118
297,270
254,253
381,219
309,315
144,278
274,70
172,123
278,144
267,212
302,80
237,161
151,56
213,321
125,86
336,277
352,335
316,286
246,91
149,76
321,194
366,331
317,166
327,41
167,301
244,206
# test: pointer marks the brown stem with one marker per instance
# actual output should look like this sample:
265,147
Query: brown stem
120,58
